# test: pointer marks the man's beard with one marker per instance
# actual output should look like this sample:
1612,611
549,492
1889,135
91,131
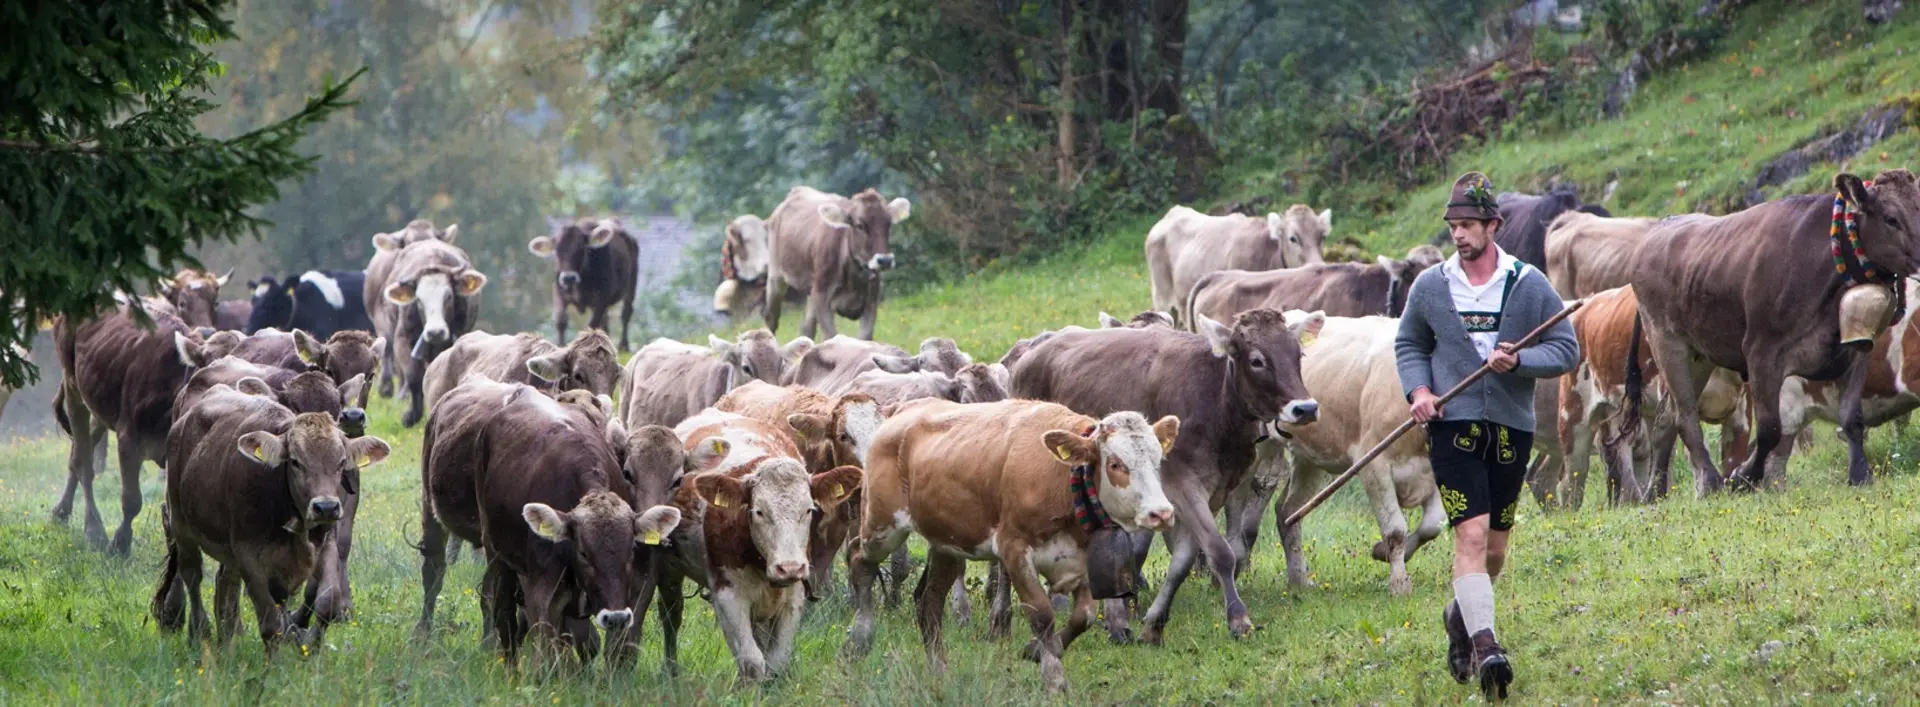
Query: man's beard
1468,251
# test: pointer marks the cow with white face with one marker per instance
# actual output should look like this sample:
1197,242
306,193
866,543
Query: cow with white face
744,258
429,297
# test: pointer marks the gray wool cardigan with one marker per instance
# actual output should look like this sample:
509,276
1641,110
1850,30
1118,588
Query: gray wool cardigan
1433,349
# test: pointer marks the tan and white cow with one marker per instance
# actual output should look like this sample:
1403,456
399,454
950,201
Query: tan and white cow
745,538
1185,245
994,481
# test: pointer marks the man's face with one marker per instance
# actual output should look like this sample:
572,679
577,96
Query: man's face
1472,237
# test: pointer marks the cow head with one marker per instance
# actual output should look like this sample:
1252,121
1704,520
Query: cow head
1400,274
272,304
1299,233
570,250
194,294
1264,352
1143,320
598,537
748,248
870,221
433,291
979,384
588,363
196,350
844,436
348,353
756,355
937,354
779,499
1889,218
1128,452
316,459
417,230
653,458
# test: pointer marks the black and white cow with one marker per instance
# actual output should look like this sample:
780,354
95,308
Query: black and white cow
321,302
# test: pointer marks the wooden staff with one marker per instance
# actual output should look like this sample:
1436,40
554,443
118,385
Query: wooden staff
1458,388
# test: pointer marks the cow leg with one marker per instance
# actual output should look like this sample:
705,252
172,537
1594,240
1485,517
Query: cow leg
1575,431
878,538
266,606
1686,377
820,313
559,317
1617,453
1853,423
786,625
1377,479
80,454
416,398
500,597
596,320
386,367
942,571
1184,549
543,632
1247,503
226,603
1082,616
671,604
130,499
737,628
1766,379
1118,611
899,565
1045,647
433,566
1307,480
962,604
776,296
1433,519
626,321
872,315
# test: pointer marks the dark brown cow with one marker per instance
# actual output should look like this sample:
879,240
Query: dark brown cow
834,249
667,381
429,298
346,354
1337,289
1223,385
121,376
195,295
301,392
588,363
1757,292
538,484
597,263
1524,219
270,529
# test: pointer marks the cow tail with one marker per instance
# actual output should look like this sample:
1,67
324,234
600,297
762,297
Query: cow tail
60,409
169,599
1636,382
1187,318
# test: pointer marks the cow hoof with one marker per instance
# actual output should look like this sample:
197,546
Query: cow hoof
1401,586
122,545
1123,637
1382,551
61,514
1299,580
96,535
1240,627
1151,636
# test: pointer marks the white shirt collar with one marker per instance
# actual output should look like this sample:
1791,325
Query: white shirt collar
1502,262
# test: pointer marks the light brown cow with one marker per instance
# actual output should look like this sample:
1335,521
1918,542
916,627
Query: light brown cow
994,482
1756,291
269,528
425,296
667,381
1338,289
834,249
195,295
587,363
346,354
1588,253
832,366
386,254
746,539
1186,245
743,286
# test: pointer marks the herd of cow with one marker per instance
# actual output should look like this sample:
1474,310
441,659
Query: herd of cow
748,466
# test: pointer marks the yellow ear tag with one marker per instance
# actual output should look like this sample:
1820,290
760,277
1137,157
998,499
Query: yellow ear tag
719,448
302,353
1166,446
255,453
549,530
1062,452
1307,339
653,537
363,460
720,501
839,490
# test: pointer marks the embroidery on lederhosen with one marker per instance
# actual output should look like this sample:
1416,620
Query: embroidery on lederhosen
1506,515
1482,322
1469,440
1453,502
1505,446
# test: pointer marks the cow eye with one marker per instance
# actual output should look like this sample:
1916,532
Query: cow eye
1295,239
748,367
1257,361
1893,223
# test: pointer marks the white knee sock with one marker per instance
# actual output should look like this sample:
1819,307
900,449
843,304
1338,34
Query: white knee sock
1474,592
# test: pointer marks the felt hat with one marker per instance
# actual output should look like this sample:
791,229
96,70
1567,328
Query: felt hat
1472,197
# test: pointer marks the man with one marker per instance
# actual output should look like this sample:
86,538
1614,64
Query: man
1463,314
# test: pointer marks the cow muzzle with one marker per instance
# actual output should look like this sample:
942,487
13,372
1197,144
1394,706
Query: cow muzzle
1300,412
1156,519
881,261
786,573
325,509
353,422
609,620
569,280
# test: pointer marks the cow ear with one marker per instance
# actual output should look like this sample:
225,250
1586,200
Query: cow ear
806,427
1108,321
1851,186
541,246
400,293
251,385
1308,328
832,487
601,236
617,436
655,524
794,349
899,209
722,348
1071,449
368,451
1326,219
1276,228
387,241
452,232
547,368
470,282
708,455
379,345
310,350
833,216
263,447
190,351
1392,266
549,524
721,490
896,364
1167,429
350,390
1219,337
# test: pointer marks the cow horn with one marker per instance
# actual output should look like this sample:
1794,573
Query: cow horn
222,280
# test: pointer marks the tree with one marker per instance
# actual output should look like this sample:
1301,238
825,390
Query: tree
104,179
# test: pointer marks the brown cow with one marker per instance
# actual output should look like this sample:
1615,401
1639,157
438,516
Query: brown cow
598,262
1337,289
588,363
993,482
270,529
1224,385
1151,317
195,295
743,284
429,297
1756,292
747,539
832,366
346,354
118,375
386,255
301,392
538,484
1524,219
1588,254
834,249
1186,245
667,381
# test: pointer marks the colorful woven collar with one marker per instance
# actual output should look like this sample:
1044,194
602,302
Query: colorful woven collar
1087,510
726,260
1845,235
